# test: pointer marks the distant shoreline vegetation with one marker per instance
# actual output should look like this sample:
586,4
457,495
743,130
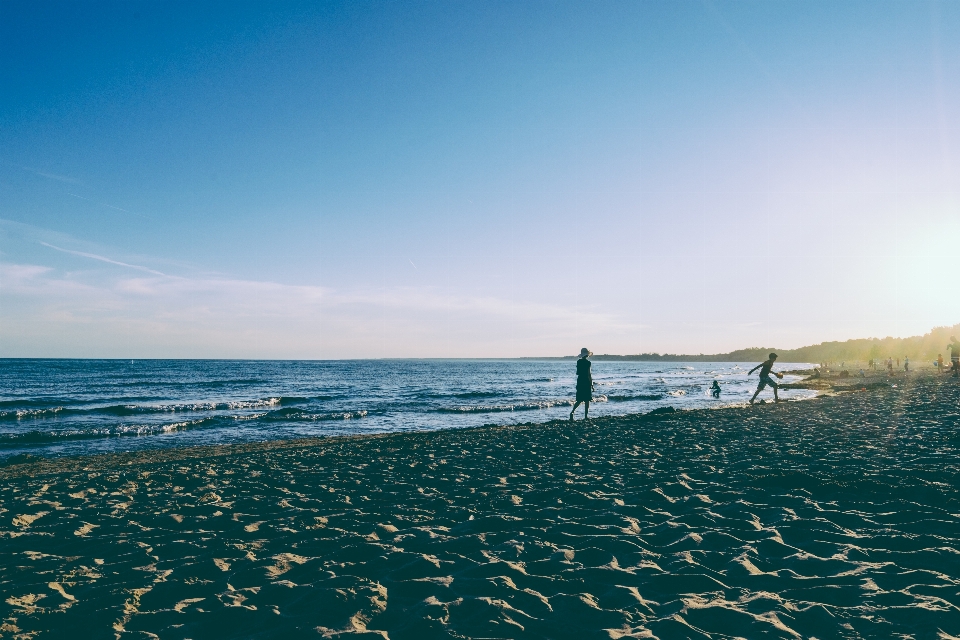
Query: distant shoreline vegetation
919,348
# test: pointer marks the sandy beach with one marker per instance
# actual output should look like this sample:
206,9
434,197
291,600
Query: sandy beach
831,518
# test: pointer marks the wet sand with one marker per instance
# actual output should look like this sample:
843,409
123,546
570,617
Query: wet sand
832,518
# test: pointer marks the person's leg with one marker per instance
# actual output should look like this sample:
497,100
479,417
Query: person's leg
586,409
759,389
575,405
776,398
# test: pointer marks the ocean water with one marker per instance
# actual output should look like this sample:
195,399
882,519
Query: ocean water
72,407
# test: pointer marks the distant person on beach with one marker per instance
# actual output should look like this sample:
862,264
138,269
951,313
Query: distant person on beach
940,362
765,368
954,347
584,384
906,363
715,389
889,367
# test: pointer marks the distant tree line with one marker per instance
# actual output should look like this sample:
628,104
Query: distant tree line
917,348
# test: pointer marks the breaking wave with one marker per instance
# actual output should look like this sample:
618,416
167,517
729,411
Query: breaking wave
60,435
125,410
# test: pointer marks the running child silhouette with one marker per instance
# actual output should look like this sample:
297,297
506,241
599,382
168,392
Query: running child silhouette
765,379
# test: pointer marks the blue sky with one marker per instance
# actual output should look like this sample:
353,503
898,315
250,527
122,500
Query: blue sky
331,180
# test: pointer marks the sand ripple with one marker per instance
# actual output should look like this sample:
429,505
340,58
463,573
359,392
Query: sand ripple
836,518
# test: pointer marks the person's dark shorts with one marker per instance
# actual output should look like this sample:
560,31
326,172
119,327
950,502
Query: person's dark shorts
766,380
584,394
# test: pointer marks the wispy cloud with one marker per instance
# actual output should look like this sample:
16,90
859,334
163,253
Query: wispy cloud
161,315
117,307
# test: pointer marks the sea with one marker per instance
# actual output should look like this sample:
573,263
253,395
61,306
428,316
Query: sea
56,407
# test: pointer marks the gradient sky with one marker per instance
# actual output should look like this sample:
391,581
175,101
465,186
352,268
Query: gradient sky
363,179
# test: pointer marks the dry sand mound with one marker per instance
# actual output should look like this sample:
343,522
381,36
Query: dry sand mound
835,518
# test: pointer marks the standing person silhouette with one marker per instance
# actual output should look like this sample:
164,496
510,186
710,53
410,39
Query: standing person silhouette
584,384
954,347
765,379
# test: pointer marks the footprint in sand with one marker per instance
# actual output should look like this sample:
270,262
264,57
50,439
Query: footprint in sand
183,604
27,604
25,520
56,586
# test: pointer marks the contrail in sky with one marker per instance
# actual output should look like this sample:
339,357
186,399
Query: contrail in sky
104,204
94,256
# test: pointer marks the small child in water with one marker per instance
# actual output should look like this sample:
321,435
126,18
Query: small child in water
715,389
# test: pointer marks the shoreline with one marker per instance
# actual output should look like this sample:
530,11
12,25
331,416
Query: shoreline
72,463
271,403
834,518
